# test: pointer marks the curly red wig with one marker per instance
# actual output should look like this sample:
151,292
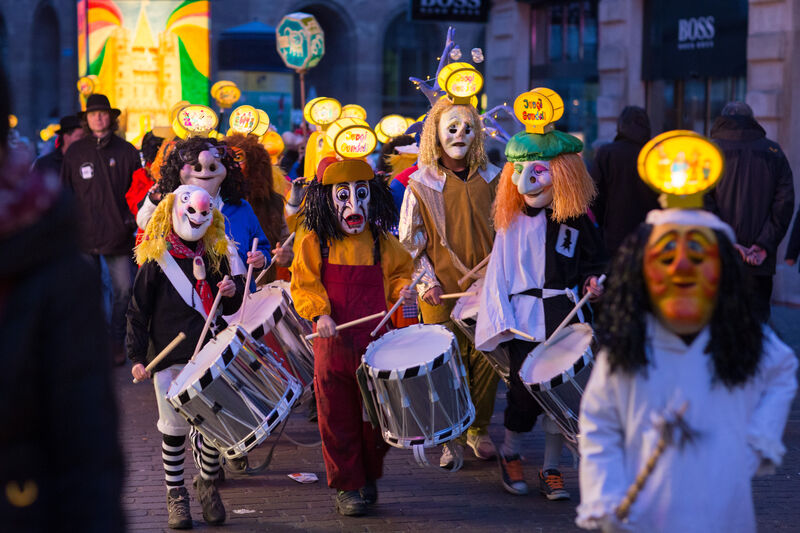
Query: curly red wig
257,167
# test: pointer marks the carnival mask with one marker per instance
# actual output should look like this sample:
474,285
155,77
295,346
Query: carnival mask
192,212
533,182
682,273
204,169
351,199
456,131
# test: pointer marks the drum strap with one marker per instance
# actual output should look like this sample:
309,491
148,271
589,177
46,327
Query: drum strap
324,250
180,281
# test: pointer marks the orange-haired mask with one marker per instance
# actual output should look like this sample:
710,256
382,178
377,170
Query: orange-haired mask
682,273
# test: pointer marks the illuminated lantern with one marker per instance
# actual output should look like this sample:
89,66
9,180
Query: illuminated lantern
225,93
538,109
196,121
461,82
392,126
351,138
247,119
354,111
12,121
300,41
681,164
274,144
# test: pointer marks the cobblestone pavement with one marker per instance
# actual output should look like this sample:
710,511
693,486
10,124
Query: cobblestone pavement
412,498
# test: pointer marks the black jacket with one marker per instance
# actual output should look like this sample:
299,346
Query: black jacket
58,414
99,171
793,246
50,162
623,199
157,313
755,194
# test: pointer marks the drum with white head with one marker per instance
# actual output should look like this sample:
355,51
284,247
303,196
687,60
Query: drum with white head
556,373
417,383
234,392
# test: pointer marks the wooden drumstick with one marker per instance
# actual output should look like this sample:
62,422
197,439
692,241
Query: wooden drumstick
209,319
523,334
641,478
165,352
247,280
351,323
574,311
453,295
471,273
287,242
396,304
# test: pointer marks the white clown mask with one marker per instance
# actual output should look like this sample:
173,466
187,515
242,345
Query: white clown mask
456,131
351,199
192,212
533,182
204,169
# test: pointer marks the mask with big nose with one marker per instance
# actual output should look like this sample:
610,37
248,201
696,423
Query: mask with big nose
192,212
533,182
204,169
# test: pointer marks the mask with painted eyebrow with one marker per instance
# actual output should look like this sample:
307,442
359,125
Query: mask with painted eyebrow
351,200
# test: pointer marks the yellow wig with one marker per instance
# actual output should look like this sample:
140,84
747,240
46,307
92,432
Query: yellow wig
154,241
429,148
573,191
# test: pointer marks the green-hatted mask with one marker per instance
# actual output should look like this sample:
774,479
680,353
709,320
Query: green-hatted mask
526,146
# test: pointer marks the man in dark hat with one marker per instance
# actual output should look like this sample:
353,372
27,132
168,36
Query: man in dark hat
99,169
69,131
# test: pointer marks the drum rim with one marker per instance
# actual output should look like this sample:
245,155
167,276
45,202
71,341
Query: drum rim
411,371
583,361
459,303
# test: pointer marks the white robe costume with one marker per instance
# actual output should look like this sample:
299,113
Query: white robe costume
705,486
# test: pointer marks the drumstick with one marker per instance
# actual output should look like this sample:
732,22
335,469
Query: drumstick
165,352
208,320
457,295
351,323
287,242
523,334
477,267
247,280
574,311
641,478
396,305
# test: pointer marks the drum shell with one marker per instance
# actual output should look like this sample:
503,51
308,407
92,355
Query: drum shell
240,397
465,317
425,405
560,396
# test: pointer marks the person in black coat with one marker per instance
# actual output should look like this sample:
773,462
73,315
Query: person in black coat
623,200
755,195
69,131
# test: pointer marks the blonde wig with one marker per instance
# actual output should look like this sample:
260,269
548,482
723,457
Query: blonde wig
573,191
154,241
429,148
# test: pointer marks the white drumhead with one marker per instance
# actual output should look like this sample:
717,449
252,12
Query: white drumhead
207,356
408,347
260,306
468,306
546,362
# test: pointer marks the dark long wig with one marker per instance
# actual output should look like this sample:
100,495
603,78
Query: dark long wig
319,211
233,188
736,340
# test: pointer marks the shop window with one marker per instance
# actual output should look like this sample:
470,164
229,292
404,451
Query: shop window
691,104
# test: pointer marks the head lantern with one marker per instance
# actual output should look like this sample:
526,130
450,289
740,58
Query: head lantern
345,197
544,168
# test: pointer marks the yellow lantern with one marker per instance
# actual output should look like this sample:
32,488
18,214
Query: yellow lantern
351,138
353,111
392,126
461,81
247,119
538,109
12,121
197,120
681,164
322,111
274,144
226,93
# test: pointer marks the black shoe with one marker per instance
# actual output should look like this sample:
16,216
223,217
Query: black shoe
349,503
178,509
238,465
369,492
207,493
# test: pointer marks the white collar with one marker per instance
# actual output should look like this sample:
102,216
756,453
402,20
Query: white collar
661,337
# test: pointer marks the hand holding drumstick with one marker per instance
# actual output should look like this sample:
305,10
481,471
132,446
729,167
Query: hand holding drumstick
140,372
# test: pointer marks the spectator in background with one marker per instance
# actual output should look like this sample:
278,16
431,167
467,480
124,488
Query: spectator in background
68,132
142,179
755,195
62,467
623,199
793,247
99,170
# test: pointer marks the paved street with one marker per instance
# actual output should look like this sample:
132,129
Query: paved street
412,498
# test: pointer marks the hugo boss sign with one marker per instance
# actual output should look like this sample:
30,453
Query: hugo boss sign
453,10
696,32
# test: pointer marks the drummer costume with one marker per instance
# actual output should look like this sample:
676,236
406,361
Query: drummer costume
684,361
347,276
182,257
444,224
545,251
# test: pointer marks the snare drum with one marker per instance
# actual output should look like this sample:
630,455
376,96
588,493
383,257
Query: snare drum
465,316
272,319
556,374
234,392
418,385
